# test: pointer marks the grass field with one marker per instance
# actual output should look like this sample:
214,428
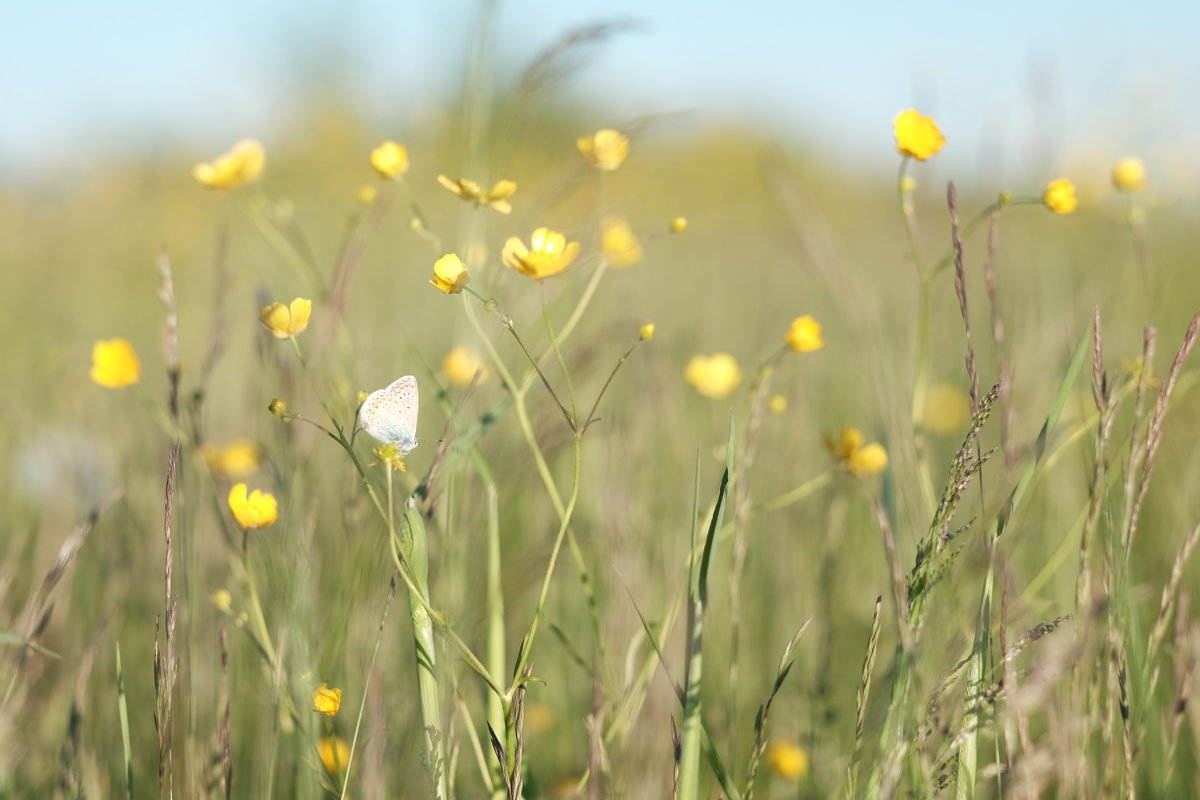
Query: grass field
900,557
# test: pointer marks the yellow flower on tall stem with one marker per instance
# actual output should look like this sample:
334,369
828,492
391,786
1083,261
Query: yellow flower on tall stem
252,510
450,274
390,159
327,701
472,192
1129,175
605,149
713,376
1059,196
805,335
114,364
287,321
243,164
857,457
548,254
916,136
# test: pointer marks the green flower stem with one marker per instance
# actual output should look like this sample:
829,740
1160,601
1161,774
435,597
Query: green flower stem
591,417
260,620
362,706
299,355
573,417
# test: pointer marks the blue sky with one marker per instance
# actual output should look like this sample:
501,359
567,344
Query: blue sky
1101,78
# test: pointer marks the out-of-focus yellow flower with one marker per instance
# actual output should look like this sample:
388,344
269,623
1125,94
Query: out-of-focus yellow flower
366,194
114,364
678,225
620,246
646,332
947,409
390,159
1129,175
805,335
1059,196
713,376
235,460
548,254
539,717
461,365
241,165
334,753
327,700
278,407
222,599
450,274
471,192
604,149
778,404
287,321
257,509
787,760
916,136
859,458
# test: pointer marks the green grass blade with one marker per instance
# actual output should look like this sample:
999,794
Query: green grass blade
123,711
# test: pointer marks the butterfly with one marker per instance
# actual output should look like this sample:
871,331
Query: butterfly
390,415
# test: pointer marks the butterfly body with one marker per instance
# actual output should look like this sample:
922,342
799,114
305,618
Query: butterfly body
390,415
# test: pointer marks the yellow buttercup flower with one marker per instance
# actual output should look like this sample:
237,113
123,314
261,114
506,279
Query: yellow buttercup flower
713,376
787,760
450,274
947,409
114,364
222,599
471,192
460,366
257,509
1059,196
604,149
390,160
620,246
805,335
548,254
334,753
241,165
1129,175
646,332
236,460
327,700
287,321
678,225
858,458
778,404
916,136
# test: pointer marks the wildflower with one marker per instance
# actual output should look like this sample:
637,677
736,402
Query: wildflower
678,225
241,165
222,599
548,254
620,246
605,149
327,700
778,404
857,458
391,455
1129,175
713,376
287,321
236,460
916,136
471,192
334,753
805,335
114,364
278,408
646,332
946,409
787,760
461,366
258,509
390,159
1059,196
450,274
366,195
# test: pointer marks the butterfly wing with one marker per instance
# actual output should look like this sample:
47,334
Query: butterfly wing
390,415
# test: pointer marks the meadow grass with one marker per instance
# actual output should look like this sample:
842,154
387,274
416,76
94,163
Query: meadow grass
590,579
